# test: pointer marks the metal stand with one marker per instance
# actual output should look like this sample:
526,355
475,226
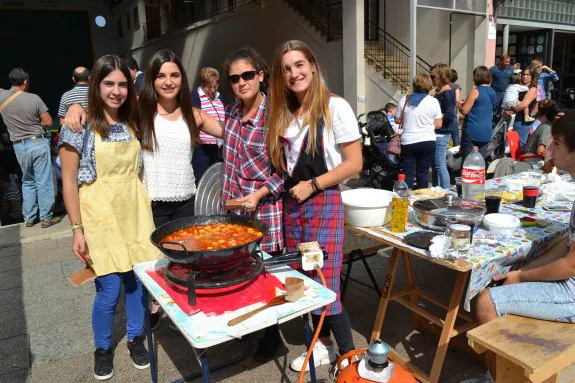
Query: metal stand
202,357
355,255
309,337
148,319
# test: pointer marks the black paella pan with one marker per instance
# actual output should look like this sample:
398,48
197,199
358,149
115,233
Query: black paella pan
207,259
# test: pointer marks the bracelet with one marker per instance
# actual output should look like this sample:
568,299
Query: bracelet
76,226
315,185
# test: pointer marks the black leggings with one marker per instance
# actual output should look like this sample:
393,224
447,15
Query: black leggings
340,326
165,212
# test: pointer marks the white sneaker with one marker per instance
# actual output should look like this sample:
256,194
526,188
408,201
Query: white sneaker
322,355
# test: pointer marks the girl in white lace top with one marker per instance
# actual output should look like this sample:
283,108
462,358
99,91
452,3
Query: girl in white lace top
168,126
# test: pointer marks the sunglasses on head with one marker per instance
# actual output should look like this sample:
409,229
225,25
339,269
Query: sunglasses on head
246,76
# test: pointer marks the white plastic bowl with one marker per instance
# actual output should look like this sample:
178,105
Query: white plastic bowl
367,207
504,224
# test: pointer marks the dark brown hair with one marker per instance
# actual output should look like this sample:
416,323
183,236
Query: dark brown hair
533,73
565,127
96,118
515,78
148,102
253,57
481,76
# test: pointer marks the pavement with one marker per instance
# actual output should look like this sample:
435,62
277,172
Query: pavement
46,336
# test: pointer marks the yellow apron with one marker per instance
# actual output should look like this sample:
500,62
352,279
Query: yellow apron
116,211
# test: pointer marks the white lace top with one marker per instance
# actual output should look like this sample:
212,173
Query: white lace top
168,173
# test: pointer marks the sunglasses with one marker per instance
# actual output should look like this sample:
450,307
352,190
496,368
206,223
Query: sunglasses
246,76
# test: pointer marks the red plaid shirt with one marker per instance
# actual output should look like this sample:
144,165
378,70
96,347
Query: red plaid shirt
248,168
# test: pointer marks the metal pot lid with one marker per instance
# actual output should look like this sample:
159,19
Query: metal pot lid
449,206
209,191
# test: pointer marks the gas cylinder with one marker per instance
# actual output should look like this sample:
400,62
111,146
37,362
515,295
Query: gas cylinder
368,365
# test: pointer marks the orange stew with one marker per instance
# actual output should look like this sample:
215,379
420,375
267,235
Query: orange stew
212,236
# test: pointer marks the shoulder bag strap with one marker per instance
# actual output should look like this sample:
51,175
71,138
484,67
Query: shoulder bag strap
10,99
400,129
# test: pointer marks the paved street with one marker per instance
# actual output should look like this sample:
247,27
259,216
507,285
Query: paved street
45,329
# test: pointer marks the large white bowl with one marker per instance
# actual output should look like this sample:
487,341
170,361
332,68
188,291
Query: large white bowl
367,207
504,224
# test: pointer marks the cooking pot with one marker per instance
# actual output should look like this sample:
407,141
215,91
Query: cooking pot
438,213
206,259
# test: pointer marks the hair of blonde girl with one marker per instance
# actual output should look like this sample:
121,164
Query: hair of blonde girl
283,106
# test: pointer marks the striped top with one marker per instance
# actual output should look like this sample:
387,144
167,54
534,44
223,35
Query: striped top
214,108
12,200
76,95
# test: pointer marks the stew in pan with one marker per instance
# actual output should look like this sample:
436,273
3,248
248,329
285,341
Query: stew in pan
213,236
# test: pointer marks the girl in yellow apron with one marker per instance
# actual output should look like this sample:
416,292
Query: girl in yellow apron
110,213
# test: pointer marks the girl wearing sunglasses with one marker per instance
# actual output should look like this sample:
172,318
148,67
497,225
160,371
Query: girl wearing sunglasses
313,139
249,176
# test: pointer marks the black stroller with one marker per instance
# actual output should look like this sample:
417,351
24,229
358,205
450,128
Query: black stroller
376,133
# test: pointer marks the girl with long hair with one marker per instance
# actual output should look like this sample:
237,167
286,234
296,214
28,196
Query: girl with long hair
169,130
313,139
110,211
249,176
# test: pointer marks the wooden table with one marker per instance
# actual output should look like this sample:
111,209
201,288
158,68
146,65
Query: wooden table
527,350
409,299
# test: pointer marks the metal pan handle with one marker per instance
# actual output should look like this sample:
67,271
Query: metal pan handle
161,244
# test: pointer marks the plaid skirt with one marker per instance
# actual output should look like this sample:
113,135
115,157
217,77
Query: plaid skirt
319,218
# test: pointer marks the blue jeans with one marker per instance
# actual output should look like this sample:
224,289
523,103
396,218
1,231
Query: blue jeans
553,301
440,173
467,145
37,182
522,128
416,159
107,296
203,157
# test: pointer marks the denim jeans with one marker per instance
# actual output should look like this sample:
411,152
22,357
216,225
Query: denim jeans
440,174
107,296
467,145
553,301
340,326
37,182
416,159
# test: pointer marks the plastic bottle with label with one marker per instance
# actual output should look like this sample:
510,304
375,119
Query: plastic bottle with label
399,205
473,176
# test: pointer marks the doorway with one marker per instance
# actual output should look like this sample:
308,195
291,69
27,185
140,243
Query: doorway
564,64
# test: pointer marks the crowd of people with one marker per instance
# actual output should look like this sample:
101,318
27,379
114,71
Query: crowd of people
134,145
427,125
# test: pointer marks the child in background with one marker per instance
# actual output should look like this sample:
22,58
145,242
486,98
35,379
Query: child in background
511,96
389,110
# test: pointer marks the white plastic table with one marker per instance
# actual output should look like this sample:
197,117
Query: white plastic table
203,331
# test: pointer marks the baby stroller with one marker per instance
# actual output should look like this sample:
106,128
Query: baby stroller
382,167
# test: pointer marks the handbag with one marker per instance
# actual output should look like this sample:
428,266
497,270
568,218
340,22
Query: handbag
394,145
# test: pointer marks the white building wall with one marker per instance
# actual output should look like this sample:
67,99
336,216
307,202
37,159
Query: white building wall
261,27
433,36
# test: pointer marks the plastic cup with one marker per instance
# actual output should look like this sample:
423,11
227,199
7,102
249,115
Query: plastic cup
530,194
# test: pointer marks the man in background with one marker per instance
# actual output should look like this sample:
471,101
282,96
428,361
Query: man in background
501,74
26,117
77,95
137,74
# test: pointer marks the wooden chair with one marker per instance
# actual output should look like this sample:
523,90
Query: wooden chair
527,350
359,255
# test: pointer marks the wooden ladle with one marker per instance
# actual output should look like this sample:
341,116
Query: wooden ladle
281,299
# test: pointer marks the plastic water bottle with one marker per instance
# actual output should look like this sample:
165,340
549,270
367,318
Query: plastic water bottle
399,205
473,176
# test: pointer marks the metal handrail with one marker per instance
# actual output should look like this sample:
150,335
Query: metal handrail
325,15
391,58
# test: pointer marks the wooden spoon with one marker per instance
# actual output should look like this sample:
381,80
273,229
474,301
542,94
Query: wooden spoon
281,299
